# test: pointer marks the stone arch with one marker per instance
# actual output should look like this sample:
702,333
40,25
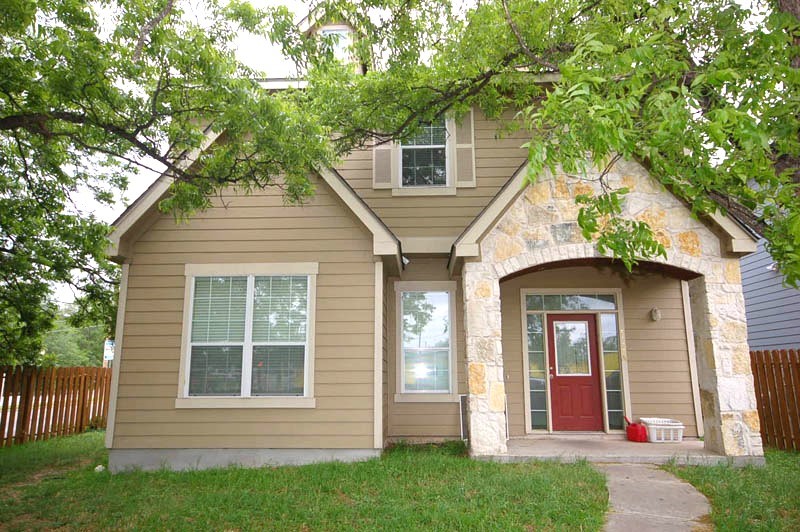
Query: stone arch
540,228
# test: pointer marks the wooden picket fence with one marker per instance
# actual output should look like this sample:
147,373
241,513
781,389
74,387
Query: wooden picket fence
42,403
777,379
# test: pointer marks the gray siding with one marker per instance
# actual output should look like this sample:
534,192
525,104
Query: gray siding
773,310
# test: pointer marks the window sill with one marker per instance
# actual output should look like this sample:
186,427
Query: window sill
426,398
245,402
424,191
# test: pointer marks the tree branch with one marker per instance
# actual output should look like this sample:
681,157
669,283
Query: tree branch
522,44
148,29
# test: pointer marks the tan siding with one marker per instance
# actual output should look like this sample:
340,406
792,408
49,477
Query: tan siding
258,228
423,420
496,160
658,358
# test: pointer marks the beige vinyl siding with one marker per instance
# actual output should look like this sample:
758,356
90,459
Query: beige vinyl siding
424,420
658,357
496,160
252,229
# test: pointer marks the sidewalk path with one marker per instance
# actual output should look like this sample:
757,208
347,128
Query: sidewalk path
643,497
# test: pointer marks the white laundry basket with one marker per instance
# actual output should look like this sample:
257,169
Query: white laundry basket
663,430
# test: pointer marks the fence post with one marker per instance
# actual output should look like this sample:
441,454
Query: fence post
24,406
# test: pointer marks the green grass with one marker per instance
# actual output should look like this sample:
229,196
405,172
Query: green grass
22,462
409,488
751,498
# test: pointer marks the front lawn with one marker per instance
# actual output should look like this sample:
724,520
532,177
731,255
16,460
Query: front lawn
410,488
751,498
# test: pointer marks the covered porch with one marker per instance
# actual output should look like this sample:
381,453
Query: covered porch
561,342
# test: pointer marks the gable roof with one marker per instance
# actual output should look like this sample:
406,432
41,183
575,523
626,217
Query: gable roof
468,242
384,241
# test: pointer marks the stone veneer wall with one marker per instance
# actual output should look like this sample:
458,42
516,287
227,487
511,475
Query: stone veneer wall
541,227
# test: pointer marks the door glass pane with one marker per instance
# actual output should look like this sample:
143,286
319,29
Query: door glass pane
615,421
539,420
552,302
538,401
572,347
534,302
611,361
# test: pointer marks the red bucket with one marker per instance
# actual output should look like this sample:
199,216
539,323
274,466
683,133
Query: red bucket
636,431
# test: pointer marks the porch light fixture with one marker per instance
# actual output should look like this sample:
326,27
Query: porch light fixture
655,314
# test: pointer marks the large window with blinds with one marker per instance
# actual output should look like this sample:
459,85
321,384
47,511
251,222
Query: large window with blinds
249,335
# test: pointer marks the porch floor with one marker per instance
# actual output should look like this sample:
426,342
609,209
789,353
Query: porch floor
613,448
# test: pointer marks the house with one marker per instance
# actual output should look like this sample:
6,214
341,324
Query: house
773,310
426,292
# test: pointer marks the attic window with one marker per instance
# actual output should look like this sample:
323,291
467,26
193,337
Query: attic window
340,42
424,160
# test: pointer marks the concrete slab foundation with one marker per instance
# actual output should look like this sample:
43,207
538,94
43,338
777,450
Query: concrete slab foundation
192,459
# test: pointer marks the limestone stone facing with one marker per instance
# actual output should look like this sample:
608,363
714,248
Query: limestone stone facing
540,227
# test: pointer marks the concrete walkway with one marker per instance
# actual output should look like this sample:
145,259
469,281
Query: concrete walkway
643,497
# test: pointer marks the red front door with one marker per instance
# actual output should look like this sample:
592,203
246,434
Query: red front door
575,394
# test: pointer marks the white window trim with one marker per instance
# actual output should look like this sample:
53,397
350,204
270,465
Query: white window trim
402,396
307,400
449,188
623,354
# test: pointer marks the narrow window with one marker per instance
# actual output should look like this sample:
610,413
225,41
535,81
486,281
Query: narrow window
426,341
424,160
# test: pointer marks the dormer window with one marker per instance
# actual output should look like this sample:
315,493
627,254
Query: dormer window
424,157
341,39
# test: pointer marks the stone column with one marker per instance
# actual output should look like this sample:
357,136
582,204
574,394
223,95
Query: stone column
486,387
727,393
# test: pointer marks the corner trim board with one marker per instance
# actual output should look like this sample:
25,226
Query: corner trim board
377,377
687,317
115,368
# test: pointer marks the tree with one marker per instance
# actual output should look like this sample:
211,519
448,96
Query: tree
701,91
66,345
93,92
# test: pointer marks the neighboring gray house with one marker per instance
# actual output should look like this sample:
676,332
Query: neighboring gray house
773,310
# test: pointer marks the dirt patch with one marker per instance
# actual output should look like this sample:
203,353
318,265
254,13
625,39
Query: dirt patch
13,491
703,524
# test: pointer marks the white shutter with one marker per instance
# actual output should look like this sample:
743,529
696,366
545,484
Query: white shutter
464,156
383,165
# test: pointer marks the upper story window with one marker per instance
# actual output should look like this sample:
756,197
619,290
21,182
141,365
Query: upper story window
437,161
424,157
249,334
340,37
